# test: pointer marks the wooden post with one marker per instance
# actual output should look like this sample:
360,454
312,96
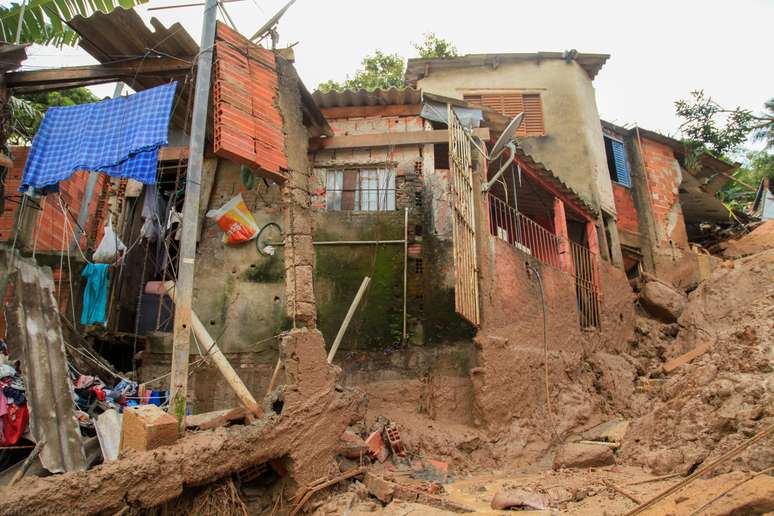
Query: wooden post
185,275
348,318
212,350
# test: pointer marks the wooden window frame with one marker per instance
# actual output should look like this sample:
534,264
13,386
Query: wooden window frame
512,102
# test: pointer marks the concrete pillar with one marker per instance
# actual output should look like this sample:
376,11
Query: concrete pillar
615,243
560,227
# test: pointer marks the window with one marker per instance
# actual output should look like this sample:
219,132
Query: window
511,104
367,189
617,162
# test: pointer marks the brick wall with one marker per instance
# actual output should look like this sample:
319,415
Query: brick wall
664,177
628,220
46,231
246,118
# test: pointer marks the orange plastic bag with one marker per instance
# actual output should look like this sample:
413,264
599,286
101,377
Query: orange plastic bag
236,221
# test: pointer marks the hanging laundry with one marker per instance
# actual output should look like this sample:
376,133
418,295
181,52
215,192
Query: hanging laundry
95,294
154,208
119,136
15,423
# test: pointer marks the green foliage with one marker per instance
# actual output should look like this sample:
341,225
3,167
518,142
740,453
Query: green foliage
757,165
378,71
27,110
44,20
384,71
708,124
434,47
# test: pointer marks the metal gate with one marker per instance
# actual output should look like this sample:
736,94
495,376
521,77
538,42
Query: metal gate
463,222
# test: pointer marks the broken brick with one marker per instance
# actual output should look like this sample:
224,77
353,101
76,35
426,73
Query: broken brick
376,447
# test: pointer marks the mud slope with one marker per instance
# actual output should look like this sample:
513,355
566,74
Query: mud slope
724,396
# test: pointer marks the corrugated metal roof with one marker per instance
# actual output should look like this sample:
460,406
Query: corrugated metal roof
548,176
418,68
35,338
122,35
11,56
348,98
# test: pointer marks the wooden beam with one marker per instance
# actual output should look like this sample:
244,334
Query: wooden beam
173,153
388,139
73,74
364,111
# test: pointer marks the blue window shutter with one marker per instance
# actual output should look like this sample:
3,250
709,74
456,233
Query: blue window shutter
621,165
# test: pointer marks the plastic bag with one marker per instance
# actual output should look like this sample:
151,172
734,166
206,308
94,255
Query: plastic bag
109,246
236,221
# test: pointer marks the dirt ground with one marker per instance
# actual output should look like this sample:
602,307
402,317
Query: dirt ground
677,420
672,399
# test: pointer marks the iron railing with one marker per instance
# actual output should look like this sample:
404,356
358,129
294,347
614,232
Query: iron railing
507,223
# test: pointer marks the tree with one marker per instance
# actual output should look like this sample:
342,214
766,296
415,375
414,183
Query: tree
709,125
378,71
27,110
434,47
45,21
757,165
383,71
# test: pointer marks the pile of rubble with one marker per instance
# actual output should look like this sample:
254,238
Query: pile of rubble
714,388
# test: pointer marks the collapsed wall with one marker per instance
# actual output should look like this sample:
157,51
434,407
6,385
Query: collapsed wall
302,432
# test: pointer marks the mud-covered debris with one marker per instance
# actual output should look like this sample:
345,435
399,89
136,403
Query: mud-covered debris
522,499
147,427
577,455
351,445
662,301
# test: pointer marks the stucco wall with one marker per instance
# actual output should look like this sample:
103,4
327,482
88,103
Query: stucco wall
340,269
572,146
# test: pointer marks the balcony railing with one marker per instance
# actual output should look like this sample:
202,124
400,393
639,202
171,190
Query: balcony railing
508,224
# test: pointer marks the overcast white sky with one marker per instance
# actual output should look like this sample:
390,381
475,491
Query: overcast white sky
660,50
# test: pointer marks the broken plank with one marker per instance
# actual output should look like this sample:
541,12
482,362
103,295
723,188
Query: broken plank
388,139
683,359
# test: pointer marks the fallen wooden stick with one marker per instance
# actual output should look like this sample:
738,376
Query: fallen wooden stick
212,351
655,479
622,492
27,462
609,444
349,474
731,454
724,493
274,375
348,318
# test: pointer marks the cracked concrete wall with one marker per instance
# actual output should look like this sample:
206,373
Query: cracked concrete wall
298,224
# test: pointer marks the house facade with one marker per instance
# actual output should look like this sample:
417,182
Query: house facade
561,127
662,199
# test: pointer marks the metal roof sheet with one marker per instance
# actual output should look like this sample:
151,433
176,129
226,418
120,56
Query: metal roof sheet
348,98
122,35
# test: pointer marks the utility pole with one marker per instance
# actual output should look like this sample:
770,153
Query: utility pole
185,274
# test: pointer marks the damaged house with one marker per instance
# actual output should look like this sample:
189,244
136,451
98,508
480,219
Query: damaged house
459,250
662,200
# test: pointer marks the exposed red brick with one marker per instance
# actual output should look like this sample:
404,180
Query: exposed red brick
247,121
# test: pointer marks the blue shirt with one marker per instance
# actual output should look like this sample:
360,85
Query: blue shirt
95,294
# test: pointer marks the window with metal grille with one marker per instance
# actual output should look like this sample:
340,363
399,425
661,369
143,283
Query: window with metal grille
511,104
366,189
617,162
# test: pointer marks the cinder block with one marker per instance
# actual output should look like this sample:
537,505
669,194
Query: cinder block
147,427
